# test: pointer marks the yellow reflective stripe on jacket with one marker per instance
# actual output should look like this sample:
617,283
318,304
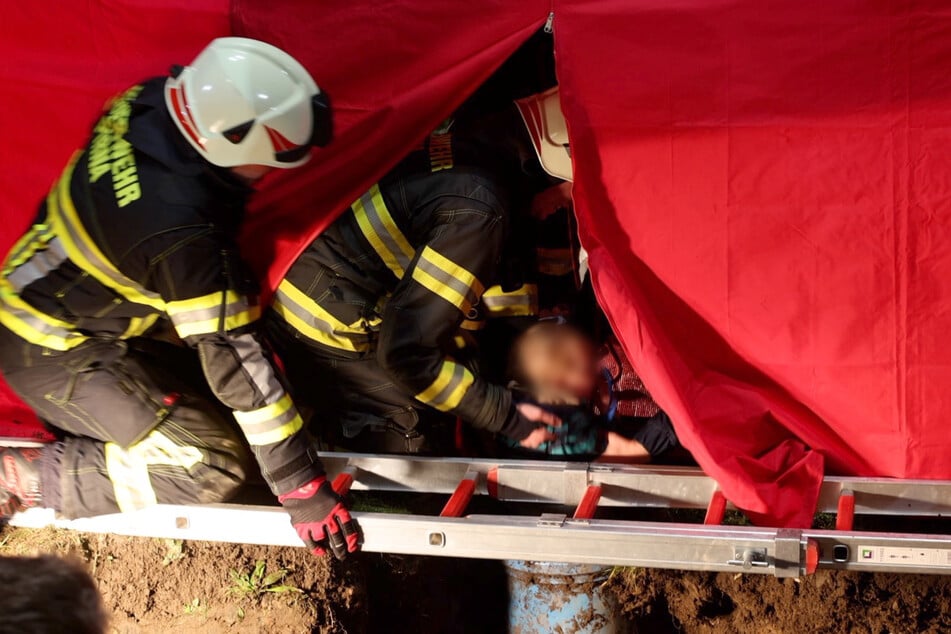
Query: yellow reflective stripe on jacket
447,279
46,255
221,311
34,326
138,326
382,232
81,249
449,388
314,322
32,241
522,302
271,423
128,469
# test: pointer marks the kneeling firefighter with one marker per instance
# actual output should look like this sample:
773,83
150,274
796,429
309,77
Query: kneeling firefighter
139,231
367,320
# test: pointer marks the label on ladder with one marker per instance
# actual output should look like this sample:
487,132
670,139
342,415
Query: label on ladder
899,556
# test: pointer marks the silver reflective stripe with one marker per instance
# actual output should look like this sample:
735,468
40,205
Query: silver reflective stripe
120,283
37,331
452,282
313,320
258,368
373,215
458,372
500,301
39,265
213,312
256,429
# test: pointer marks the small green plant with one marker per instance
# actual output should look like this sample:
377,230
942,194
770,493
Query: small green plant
195,607
174,550
824,521
258,582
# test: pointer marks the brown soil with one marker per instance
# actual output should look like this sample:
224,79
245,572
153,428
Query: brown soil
153,585
664,601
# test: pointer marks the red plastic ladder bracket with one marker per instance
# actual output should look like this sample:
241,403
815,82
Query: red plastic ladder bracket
845,515
716,508
589,503
812,556
461,497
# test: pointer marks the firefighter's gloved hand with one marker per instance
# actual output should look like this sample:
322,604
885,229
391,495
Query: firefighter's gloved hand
531,425
321,519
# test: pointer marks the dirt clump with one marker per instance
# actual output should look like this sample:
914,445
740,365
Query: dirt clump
662,601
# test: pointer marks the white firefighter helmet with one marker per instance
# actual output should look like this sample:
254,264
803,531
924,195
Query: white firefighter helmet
245,102
549,131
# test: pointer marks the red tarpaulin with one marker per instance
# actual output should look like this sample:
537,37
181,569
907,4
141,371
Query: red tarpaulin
763,187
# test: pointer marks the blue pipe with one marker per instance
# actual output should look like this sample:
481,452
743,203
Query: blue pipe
546,597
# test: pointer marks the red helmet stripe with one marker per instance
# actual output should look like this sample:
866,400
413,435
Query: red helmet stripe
279,141
180,108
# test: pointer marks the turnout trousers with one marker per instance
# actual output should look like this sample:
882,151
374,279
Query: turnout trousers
135,429
356,405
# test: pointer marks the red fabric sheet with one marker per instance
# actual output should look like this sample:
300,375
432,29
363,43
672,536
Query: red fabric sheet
393,71
59,63
764,190
763,187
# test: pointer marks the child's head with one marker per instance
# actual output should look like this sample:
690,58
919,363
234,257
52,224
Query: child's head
555,357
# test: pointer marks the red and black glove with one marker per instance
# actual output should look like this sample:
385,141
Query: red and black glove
321,519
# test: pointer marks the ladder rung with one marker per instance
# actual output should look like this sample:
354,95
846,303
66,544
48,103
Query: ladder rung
589,503
845,516
716,509
461,497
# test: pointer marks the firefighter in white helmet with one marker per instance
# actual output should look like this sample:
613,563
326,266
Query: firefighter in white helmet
140,230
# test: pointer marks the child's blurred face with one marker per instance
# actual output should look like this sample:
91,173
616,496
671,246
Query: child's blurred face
559,358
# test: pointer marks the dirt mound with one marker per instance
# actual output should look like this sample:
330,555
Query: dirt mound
662,601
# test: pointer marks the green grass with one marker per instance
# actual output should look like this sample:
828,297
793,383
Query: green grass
196,607
258,582
174,550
